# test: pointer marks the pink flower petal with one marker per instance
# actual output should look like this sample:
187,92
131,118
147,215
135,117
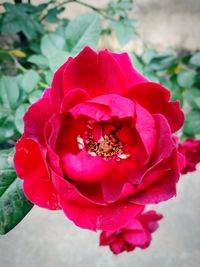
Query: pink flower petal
99,217
56,94
72,98
145,126
35,119
30,166
83,167
131,75
155,98
89,71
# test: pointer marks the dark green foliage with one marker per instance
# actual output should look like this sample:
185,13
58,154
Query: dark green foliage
13,204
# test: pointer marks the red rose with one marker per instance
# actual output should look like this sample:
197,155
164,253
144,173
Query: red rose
136,233
99,143
191,150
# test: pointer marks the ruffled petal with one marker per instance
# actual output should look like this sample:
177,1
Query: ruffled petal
30,166
165,141
83,167
98,112
145,126
35,119
132,76
56,94
163,189
117,246
72,98
141,239
155,98
99,217
89,71
120,107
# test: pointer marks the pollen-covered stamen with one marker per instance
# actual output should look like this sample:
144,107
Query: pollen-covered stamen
107,147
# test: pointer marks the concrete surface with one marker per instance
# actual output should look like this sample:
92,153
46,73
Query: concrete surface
48,239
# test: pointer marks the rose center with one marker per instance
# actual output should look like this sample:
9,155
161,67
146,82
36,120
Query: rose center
108,146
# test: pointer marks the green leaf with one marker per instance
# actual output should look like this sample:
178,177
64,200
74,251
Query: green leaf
52,15
186,78
48,76
7,173
148,55
193,97
30,80
151,75
21,17
19,123
123,31
82,31
9,91
195,59
137,62
52,43
192,122
13,206
162,61
34,96
39,60
7,128
57,59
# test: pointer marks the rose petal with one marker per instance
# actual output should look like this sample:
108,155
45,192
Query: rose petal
35,119
31,167
98,112
56,94
89,71
140,239
162,190
121,107
117,246
84,167
131,75
145,126
165,142
72,98
155,98
98,217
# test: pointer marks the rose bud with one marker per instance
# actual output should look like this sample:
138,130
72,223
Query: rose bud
137,233
191,150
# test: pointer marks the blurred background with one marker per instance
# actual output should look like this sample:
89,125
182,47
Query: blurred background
163,41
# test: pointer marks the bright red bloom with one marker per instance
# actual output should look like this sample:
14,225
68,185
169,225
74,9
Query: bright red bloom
136,233
99,143
191,150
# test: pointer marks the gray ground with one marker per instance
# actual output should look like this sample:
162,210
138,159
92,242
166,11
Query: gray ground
48,239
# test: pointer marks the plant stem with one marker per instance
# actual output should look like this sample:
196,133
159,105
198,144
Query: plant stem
17,64
90,6
99,10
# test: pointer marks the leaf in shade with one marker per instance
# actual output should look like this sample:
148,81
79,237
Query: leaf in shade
195,59
192,122
186,78
30,80
82,31
13,204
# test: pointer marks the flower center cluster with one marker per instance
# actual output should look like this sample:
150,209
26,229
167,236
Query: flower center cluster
108,146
